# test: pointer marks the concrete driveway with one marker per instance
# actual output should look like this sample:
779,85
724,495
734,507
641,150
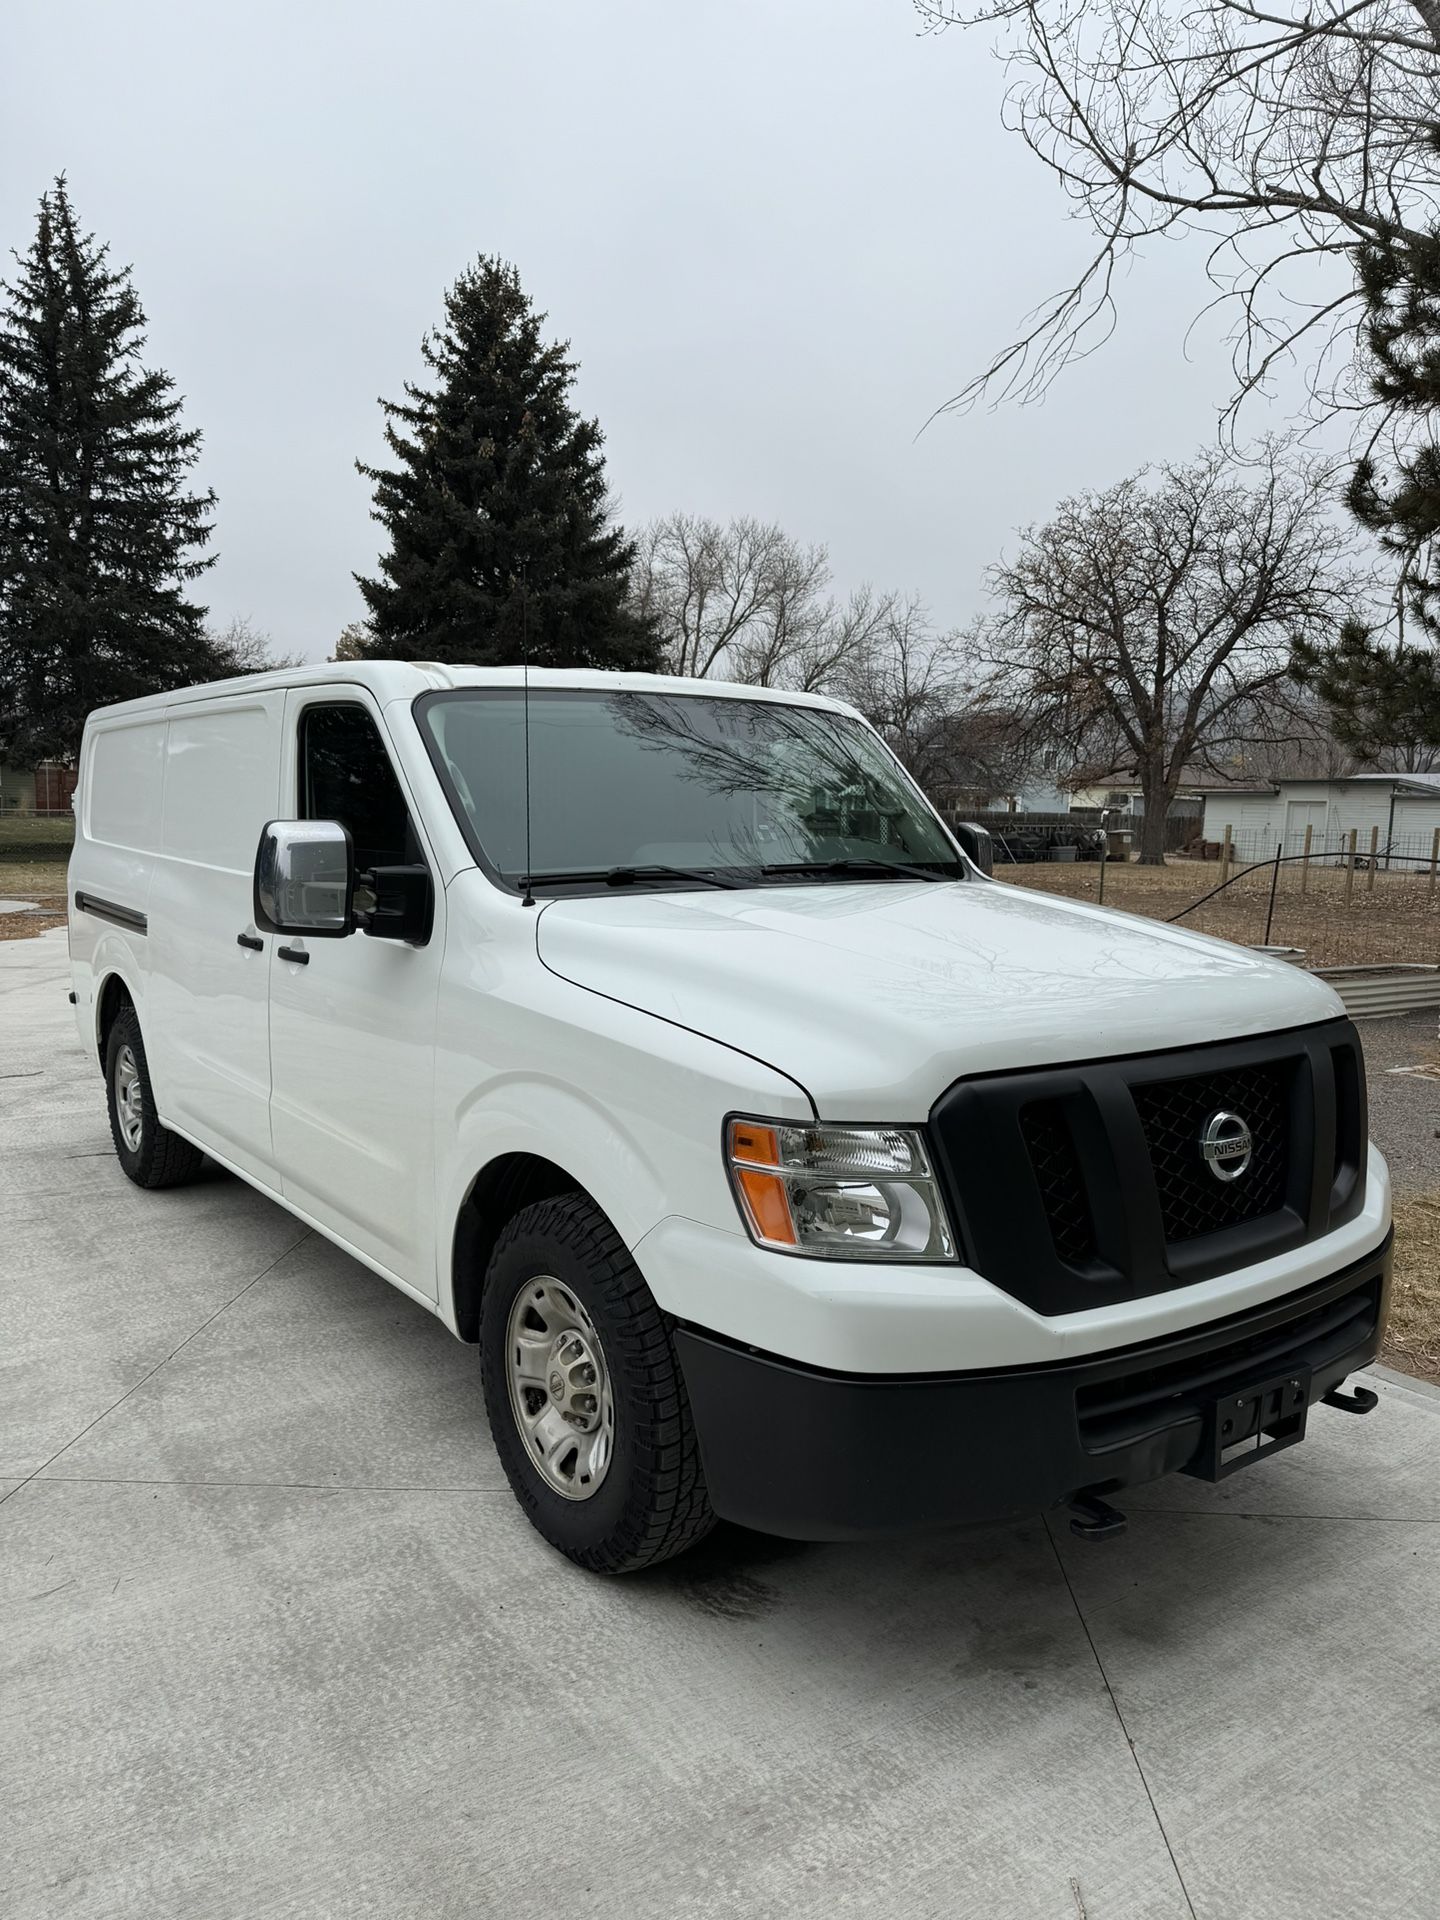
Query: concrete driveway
276,1640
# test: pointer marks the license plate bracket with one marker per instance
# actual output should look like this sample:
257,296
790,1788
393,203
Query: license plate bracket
1250,1423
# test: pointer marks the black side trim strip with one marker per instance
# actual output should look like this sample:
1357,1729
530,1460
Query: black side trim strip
126,917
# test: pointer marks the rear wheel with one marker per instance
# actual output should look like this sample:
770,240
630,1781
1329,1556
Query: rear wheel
586,1400
150,1154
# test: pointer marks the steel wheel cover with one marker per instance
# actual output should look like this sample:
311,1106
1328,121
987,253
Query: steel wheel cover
560,1392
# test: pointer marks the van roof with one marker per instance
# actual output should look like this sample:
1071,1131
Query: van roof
391,680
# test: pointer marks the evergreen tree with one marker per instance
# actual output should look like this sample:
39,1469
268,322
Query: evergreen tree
1384,699
500,540
98,535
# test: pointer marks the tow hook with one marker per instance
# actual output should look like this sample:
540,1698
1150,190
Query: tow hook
1362,1400
1095,1519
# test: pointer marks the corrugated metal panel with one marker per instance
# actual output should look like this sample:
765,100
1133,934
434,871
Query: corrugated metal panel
1380,990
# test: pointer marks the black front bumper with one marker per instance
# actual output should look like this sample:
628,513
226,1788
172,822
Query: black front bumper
811,1455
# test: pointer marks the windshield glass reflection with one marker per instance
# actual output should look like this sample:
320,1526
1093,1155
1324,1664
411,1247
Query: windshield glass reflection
621,782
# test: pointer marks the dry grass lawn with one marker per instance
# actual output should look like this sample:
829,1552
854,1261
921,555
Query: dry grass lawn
1376,919
39,881
1413,1342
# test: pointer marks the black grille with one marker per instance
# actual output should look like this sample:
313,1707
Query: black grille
1174,1113
1080,1185
1062,1185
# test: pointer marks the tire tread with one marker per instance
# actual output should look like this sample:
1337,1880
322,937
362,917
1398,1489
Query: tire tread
668,1507
164,1159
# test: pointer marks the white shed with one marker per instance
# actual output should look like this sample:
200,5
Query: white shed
1401,810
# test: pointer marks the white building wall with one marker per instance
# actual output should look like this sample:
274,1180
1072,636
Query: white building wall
1249,816
1415,824
1261,822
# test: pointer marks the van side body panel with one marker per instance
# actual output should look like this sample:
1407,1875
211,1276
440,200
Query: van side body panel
207,1035
118,815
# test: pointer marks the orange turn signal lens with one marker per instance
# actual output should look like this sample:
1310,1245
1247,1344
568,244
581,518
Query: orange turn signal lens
757,1146
768,1205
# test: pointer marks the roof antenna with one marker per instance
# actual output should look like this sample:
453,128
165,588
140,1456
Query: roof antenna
529,899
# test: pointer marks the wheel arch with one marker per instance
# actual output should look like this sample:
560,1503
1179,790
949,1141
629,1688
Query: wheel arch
114,995
502,1188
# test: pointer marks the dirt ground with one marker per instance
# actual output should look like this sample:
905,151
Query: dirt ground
1333,918
1413,1343
39,881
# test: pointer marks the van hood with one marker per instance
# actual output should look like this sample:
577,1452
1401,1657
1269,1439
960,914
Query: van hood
875,997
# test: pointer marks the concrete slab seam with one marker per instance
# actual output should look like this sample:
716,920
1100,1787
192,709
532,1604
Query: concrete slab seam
194,1333
1119,1716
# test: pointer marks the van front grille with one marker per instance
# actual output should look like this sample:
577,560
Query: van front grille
1060,1179
1174,1114
1080,1185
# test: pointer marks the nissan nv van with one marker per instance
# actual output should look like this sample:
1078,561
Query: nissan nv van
660,1038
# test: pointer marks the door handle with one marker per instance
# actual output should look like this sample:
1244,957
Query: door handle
297,954
251,940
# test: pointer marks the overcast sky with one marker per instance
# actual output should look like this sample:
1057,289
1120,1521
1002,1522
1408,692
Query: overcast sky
777,233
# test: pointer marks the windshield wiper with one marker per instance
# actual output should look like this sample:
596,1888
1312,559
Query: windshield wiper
628,876
844,869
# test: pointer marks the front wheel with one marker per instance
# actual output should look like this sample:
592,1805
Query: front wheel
586,1400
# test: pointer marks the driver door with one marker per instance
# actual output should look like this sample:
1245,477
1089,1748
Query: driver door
352,1020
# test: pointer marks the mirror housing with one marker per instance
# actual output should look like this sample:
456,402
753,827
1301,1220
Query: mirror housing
395,903
305,879
977,843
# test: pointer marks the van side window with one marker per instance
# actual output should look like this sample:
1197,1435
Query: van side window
345,775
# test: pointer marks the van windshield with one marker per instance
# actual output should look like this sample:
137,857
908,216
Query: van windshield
632,788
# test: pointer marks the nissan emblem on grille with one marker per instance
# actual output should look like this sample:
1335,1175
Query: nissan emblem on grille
1225,1145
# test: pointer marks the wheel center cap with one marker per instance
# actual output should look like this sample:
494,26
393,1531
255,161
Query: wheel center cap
557,1387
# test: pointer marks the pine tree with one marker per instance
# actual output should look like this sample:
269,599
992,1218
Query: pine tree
501,546
1384,699
98,535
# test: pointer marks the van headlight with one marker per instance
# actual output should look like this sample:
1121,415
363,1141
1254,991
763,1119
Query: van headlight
837,1193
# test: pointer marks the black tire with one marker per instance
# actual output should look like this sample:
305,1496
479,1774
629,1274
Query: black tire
159,1158
651,1503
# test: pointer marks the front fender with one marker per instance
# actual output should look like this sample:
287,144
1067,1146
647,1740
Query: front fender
600,1152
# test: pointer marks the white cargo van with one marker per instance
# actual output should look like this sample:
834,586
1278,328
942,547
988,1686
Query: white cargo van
659,1037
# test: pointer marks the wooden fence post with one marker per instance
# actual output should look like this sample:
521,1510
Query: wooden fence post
1305,860
1374,859
1225,856
1434,860
1350,868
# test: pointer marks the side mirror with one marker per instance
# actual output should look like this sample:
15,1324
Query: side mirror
305,879
977,843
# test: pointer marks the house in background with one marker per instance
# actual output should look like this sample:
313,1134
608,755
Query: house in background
47,788
1402,810
1049,791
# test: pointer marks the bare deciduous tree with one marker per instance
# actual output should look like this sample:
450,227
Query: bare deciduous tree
1149,627
241,647
744,601
1283,131
916,687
